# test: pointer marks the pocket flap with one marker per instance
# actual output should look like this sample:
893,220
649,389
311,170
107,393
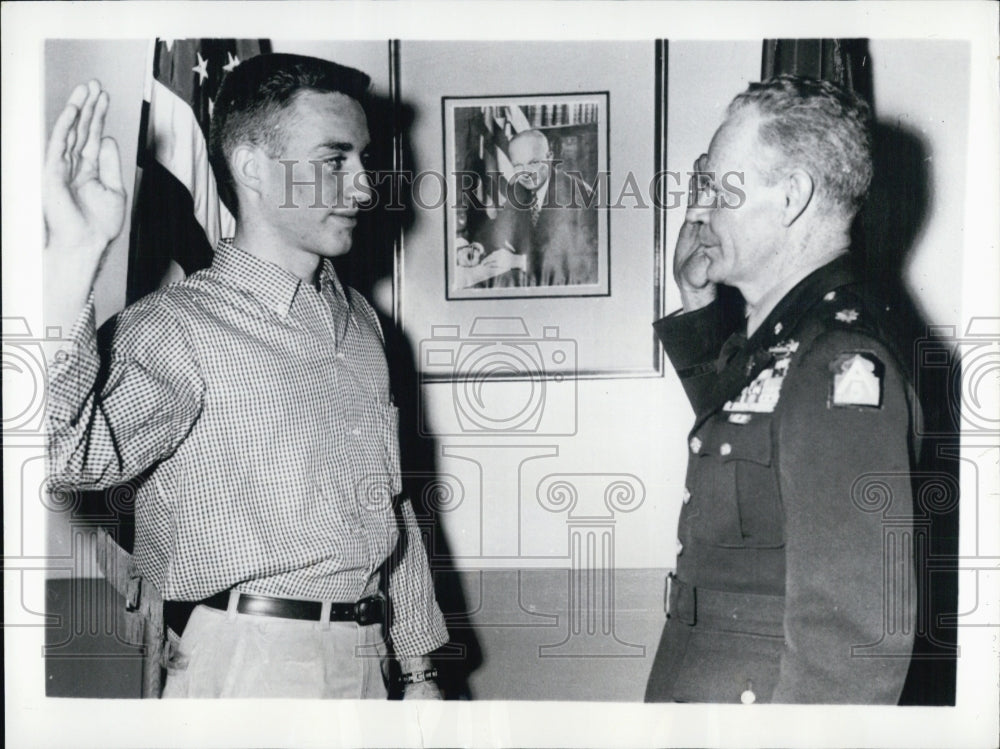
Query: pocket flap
750,440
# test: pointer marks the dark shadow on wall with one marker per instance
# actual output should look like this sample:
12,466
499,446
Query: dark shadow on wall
883,237
370,264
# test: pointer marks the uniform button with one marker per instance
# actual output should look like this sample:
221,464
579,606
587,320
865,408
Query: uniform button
340,354
748,697
695,444
687,496
61,356
356,432
680,547
725,448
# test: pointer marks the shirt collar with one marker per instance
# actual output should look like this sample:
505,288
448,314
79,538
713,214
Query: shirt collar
270,283
328,278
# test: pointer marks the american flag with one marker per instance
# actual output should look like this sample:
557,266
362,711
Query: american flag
176,214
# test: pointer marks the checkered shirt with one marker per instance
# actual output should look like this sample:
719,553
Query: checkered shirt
251,414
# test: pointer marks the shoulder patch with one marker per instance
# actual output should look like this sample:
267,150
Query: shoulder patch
856,380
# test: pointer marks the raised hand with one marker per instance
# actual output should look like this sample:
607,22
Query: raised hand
82,194
83,202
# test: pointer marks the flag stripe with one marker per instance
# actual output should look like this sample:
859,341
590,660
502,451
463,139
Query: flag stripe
164,236
177,217
185,155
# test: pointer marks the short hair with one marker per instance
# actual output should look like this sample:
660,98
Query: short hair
253,98
818,125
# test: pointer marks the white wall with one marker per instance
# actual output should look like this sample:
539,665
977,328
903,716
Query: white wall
119,65
922,87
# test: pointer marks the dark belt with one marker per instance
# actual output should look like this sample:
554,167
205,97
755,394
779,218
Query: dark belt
749,613
370,610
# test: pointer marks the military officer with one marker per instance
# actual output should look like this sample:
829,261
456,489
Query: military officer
793,565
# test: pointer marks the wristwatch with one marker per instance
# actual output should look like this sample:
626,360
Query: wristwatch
417,677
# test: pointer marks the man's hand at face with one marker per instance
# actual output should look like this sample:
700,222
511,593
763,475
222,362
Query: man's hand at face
690,262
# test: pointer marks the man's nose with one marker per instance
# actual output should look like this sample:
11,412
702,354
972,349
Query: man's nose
360,187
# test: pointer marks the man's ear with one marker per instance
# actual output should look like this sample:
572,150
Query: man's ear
245,164
799,191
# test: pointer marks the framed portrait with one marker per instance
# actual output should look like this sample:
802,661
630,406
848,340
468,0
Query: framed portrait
525,215
541,243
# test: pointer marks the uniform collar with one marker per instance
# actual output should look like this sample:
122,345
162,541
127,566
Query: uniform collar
270,283
801,298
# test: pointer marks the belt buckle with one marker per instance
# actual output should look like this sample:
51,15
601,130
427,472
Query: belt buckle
368,610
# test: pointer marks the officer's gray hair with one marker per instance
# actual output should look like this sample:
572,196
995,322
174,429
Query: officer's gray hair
820,127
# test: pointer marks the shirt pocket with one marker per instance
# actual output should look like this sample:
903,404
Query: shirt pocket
712,513
747,450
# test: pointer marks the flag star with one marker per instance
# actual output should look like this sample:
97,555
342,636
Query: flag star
201,68
233,62
847,315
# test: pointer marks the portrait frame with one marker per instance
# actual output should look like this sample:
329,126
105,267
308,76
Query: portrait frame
608,334
488,211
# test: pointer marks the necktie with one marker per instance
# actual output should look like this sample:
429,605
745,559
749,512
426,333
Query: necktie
536,209
734,345
733,362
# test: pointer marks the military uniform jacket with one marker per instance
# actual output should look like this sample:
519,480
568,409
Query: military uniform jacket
794,558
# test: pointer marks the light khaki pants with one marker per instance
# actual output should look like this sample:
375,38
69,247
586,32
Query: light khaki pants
228,654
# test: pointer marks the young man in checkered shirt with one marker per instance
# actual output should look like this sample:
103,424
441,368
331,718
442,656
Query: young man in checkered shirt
249,404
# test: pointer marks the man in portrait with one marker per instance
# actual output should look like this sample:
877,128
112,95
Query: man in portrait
547,228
